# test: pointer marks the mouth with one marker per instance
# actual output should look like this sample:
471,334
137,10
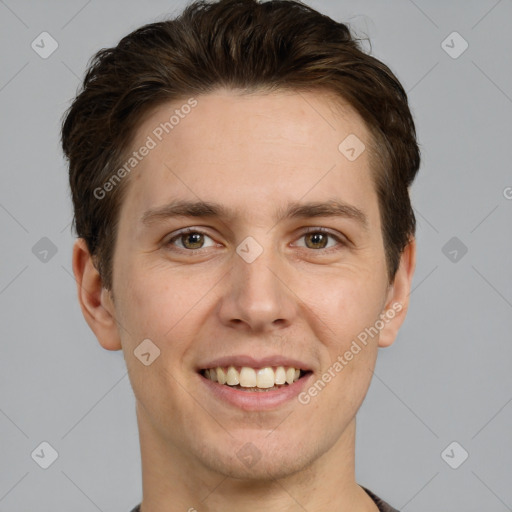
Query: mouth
249,379
250,388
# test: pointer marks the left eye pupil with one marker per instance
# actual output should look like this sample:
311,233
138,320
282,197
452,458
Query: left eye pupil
321,239
196,236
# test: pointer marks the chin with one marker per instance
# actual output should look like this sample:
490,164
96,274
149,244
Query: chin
264,471
258,461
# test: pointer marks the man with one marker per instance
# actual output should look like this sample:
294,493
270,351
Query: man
240,183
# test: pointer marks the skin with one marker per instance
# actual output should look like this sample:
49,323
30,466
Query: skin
251,153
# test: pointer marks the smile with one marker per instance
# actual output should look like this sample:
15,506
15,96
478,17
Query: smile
254,388
254,379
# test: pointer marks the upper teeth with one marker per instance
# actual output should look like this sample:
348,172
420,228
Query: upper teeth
250,377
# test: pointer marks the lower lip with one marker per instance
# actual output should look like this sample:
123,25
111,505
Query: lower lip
256,400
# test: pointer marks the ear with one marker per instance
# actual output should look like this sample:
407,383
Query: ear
397,301
95,301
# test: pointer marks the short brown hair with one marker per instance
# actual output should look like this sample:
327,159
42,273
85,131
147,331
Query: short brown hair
238,44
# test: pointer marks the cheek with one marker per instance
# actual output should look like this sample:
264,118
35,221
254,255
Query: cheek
148,306
161,311
165,306
349,312
352,305
144,286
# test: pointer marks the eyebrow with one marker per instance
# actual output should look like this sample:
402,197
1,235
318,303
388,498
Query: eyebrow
293,210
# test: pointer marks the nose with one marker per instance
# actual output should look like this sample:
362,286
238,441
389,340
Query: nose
257,296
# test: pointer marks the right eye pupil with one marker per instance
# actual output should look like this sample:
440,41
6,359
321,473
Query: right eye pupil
317,238
188,236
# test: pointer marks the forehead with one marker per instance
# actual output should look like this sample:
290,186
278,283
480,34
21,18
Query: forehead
249,151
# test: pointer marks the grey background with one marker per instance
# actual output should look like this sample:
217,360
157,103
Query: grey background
447,377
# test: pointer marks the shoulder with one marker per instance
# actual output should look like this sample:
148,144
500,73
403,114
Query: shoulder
381,504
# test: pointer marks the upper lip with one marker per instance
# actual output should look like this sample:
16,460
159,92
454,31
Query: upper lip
251,362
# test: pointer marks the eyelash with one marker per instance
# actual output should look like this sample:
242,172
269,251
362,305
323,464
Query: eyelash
308,231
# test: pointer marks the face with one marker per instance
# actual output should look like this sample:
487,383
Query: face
252,284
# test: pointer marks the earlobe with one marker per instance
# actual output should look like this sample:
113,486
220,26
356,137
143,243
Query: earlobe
397,302
95,301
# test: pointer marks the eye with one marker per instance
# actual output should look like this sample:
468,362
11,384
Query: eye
191,239
317,238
